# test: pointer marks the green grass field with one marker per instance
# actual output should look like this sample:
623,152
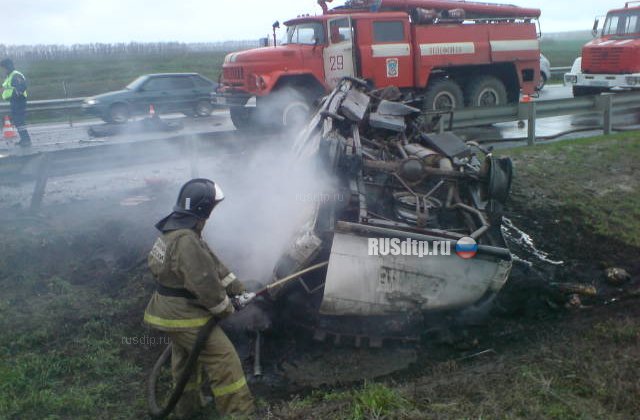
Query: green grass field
91,76
562,53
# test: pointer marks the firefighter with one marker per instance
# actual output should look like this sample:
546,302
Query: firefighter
193,285
14,90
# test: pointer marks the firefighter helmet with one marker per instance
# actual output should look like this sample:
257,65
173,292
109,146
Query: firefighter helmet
198,197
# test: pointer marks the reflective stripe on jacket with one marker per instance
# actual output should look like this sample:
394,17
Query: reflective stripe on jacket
7,86
180,259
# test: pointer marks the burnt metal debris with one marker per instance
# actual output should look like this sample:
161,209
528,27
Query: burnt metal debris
401,182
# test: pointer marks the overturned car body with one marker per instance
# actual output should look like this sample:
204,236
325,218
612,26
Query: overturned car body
402,199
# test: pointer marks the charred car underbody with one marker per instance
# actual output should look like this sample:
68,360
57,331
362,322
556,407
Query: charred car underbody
396,186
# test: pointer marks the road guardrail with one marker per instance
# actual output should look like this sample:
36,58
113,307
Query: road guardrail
559,71
69,104
605,104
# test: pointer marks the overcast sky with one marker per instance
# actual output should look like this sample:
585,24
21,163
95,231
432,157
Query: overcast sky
82,21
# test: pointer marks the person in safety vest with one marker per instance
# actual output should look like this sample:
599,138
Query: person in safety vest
14,90
193,285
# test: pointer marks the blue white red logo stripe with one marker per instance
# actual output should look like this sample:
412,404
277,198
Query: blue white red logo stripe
466,247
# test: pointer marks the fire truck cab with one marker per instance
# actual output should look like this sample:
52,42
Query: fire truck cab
610,61
448,54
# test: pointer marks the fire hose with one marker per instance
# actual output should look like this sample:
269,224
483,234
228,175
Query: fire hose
161,412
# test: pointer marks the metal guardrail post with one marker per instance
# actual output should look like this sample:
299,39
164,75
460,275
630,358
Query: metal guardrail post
42,175
604,102
531,123
66,97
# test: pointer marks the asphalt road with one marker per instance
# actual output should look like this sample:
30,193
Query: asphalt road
57,136
52,137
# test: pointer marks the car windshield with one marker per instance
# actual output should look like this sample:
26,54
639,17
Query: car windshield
622,23
137,83
305,33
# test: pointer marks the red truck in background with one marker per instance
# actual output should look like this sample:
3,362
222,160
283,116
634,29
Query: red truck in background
448,54
612,60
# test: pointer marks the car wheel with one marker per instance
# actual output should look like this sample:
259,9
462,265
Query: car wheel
443,95
486,91
119,113
203,108
241,117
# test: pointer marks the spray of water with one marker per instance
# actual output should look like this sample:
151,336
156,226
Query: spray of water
513,233
268,198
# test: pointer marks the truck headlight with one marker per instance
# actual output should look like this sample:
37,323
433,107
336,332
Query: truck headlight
633,80
571,78
258,82
91,101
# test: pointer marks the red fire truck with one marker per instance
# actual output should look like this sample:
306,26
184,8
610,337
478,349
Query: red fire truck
612,60
448,54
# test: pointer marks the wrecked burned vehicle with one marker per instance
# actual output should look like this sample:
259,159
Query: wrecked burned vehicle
393,181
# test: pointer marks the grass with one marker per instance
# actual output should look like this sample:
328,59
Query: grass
562,53
62,321
597,179
373,400
573,371
64,357
91,76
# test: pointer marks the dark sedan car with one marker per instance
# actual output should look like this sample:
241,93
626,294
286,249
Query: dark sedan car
188,93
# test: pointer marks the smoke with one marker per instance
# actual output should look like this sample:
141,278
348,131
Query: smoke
270,194
268,197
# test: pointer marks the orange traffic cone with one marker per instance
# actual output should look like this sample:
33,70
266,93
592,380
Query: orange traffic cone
152,111
8,130
526,99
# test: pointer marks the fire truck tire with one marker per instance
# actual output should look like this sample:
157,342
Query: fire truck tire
241,117
485,91
443,94
293,105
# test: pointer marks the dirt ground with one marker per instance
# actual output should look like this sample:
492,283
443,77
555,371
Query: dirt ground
74,285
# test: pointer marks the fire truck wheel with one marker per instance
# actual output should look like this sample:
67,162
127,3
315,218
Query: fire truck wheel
486,91
442,95
241,117
295,114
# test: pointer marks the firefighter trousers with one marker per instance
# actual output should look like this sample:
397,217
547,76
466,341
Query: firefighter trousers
223,368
